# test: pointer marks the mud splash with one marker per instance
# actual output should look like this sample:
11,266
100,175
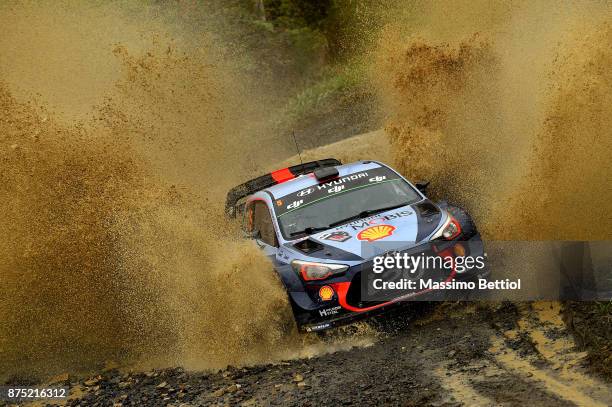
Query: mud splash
571,169
104,261
114,245
502,124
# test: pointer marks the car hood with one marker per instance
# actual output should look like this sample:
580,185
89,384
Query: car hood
399,228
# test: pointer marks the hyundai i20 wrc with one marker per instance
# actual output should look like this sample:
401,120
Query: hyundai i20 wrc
323,224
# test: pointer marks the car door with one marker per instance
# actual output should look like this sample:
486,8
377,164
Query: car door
259,226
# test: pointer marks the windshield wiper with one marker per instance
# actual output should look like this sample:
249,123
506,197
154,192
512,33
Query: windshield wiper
309,230
367,212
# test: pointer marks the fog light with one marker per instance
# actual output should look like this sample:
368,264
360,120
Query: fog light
326,293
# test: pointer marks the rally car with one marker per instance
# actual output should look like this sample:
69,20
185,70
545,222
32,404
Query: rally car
322,224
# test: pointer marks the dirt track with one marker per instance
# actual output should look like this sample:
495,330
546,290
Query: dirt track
450,355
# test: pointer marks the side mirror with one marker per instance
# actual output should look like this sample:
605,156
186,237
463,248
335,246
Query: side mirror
422,186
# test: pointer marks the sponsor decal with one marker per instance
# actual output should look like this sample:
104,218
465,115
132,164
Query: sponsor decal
295,204
335,189
317,327
326,293
362,223
348,178
376,232
329,311
305,192
337,236
279,202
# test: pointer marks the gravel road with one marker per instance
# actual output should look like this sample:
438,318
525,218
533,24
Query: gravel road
443,355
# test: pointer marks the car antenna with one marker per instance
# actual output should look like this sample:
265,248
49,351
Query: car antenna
297,148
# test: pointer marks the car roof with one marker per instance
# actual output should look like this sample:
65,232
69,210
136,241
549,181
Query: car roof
307,180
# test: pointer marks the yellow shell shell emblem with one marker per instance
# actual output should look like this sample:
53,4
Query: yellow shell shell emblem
326,293
376,232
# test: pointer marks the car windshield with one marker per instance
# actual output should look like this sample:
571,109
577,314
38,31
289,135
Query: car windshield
351,202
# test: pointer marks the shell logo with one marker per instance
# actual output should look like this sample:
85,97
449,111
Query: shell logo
376,232
326,293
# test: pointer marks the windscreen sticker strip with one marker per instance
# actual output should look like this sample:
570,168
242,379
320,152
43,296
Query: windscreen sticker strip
307,196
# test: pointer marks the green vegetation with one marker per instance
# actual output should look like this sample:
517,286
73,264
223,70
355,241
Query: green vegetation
317,49
335,82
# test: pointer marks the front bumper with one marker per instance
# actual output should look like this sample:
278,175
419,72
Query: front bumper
312,314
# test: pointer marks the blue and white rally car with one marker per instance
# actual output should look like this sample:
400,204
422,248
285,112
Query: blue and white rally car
323,223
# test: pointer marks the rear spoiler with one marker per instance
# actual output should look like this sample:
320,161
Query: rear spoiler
273,178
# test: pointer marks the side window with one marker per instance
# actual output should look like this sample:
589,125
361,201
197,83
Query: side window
257,218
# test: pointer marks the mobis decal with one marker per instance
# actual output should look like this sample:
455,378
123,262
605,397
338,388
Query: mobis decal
362,223
337,236
376,232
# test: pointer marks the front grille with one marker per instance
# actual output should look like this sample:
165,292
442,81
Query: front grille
356,299
353,296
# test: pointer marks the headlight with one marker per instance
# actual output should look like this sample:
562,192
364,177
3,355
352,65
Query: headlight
449,231
317,271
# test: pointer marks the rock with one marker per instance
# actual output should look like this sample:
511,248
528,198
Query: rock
219,392
162,385
298,378
124,385
233,388
59,378
301,384
92,382
452,353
